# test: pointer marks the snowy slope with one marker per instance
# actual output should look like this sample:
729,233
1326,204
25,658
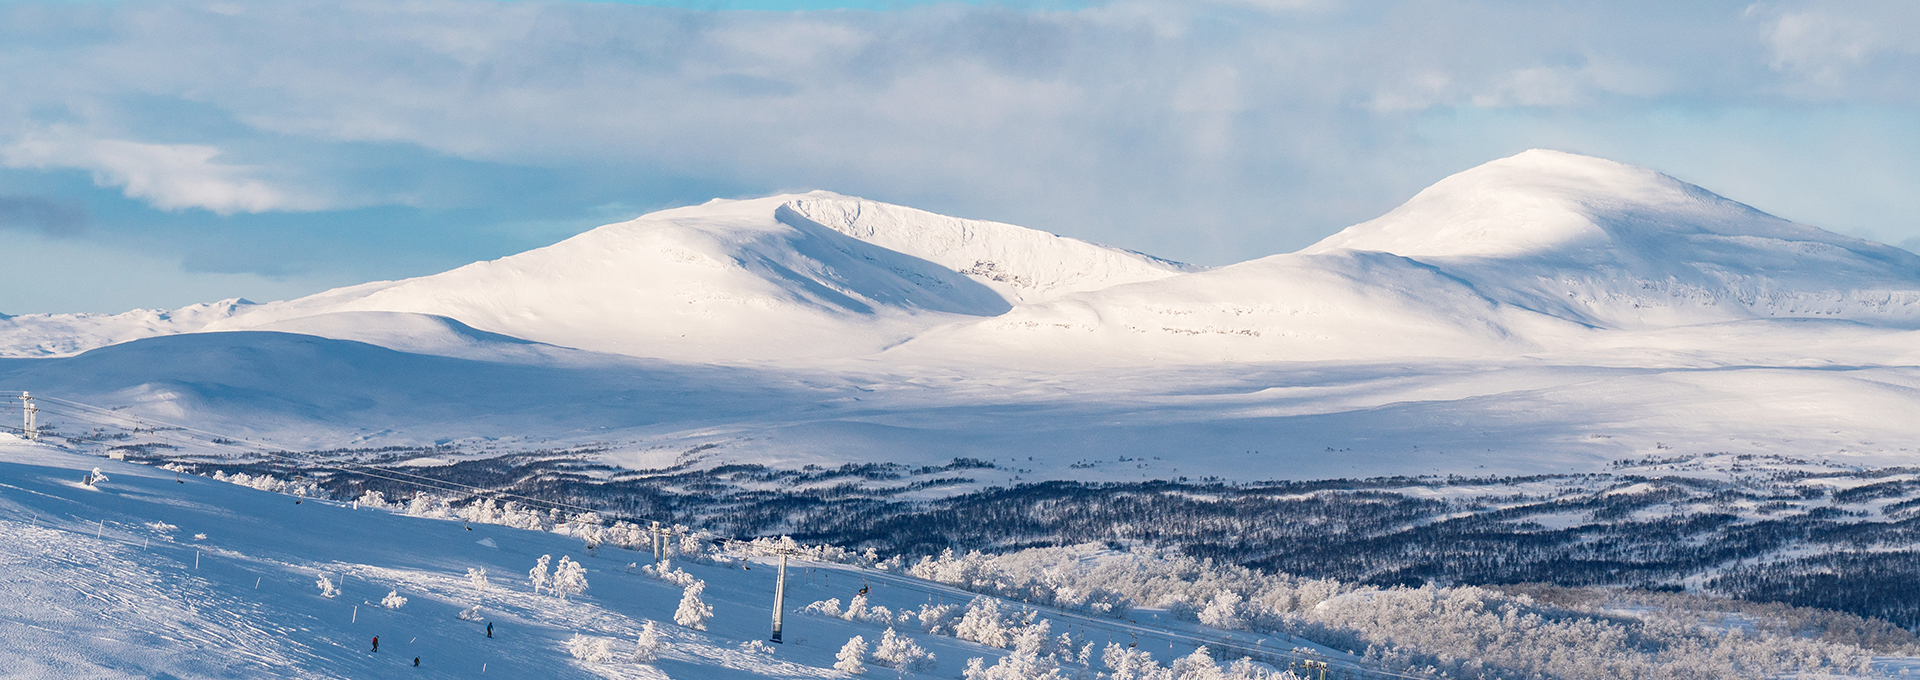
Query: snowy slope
54,335
1295,307
143,576
748,280
1617,246
1021,264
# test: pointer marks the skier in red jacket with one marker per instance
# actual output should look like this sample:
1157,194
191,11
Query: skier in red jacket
376,643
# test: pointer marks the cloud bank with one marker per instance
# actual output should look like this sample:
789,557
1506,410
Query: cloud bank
1207,131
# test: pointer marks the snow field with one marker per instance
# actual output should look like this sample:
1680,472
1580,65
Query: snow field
209,579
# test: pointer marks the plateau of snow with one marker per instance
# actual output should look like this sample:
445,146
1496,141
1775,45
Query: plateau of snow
1544,312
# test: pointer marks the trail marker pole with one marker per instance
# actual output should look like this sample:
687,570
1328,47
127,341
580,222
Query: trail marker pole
655,535
779,597
356,613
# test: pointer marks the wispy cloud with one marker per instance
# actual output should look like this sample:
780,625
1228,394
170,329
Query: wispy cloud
169,176
1212,131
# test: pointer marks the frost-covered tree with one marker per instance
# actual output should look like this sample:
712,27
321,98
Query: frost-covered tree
539,573
469,614
590,650
982,623
900,653
650,644
569,578
1197,666
1223,612
852,658
478,577
692,612
327,589
1128,663
393,600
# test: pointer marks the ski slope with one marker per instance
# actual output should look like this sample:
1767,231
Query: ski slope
144,575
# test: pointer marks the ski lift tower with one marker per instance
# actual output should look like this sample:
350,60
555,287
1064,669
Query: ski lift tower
27,411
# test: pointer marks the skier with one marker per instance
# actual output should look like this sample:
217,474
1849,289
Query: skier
376,643
489,629
416,662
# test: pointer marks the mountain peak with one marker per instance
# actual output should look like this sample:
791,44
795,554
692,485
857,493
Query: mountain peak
1542,202
1618,246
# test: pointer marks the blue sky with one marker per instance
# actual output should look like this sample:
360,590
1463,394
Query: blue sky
155,154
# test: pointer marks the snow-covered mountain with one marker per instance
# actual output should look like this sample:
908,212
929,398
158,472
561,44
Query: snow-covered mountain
1523,254
1546,311
55,335
1518,255
1617,246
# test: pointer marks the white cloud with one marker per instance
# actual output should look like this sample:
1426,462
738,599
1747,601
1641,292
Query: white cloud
167,176
1211,131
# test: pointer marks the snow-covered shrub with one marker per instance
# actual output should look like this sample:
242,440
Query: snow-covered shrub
478,577
1197,666
828,607
539,573
569,578
852,657
692,612
899,652
937,619
469,614
665,571
327,589
650,643
756,647
590,650
859,611
1128,663
373,499
393,600
983,623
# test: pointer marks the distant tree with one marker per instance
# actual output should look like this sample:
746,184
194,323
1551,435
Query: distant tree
327,589
478,577
393,600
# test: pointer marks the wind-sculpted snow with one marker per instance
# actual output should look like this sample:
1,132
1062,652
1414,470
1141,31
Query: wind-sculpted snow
1022,264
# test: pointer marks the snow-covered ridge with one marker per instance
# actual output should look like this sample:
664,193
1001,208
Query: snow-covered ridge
1025,265
1617,246
1532,252
57,335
